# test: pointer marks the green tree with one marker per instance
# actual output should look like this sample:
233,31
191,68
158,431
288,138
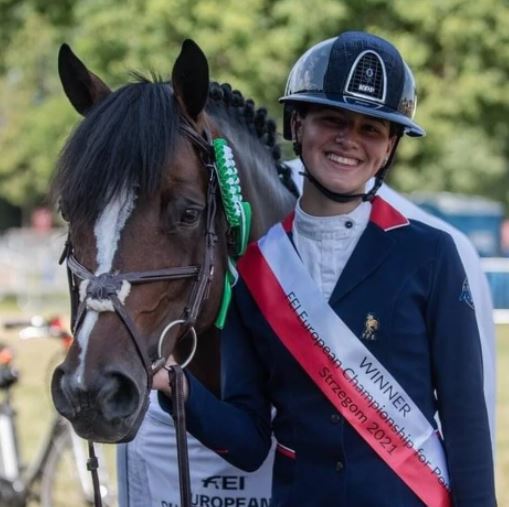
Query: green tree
458,49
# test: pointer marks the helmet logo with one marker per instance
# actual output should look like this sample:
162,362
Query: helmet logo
407,107
367,78
366,86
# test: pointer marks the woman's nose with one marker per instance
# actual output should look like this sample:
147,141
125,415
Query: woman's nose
345,135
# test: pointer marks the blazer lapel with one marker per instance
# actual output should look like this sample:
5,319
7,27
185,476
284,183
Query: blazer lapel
373,248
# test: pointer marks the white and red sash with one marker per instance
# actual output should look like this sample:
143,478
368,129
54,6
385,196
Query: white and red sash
347,373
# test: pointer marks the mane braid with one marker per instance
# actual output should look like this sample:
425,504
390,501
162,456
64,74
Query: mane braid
123,143
256,120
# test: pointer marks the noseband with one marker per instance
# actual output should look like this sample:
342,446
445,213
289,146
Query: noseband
106,288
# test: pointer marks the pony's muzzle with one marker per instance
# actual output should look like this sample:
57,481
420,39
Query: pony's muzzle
105,408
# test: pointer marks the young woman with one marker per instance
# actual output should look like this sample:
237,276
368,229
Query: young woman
354,322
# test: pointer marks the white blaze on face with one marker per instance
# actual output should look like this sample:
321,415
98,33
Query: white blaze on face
107,230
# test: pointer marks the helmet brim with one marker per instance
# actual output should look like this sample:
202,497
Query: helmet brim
355,105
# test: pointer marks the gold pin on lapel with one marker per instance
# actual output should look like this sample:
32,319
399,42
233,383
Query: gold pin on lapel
370,327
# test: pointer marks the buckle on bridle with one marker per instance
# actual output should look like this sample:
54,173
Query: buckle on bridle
161,360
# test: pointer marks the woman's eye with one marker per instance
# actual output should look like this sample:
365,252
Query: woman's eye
335,122
371,128
190,216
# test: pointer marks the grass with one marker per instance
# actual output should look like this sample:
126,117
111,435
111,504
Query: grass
36,359
502,446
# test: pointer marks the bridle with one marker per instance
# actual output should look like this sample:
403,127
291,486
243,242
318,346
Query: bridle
106,288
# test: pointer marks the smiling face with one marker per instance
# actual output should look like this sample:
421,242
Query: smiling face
342,150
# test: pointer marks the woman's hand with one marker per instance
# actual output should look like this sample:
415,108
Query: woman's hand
161,381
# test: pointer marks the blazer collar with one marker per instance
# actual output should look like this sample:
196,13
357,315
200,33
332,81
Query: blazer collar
374,246
385,216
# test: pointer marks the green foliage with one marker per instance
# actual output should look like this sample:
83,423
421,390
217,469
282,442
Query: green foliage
458,49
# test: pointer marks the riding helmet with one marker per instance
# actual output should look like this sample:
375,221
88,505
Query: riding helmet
356,71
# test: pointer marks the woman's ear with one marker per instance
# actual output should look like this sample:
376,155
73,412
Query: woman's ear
390,145
296,126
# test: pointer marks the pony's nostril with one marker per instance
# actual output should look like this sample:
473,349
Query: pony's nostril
61,399
119,397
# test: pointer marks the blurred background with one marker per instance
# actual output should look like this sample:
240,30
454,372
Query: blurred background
459,53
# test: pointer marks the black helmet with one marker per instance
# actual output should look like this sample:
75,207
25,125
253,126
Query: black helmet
356,71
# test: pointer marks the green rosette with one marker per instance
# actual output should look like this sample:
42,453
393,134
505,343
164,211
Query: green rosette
238,215
237,211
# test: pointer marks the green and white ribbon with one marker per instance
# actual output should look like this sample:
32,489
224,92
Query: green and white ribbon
238,215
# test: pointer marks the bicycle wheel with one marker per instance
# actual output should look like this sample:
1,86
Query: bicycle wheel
65,480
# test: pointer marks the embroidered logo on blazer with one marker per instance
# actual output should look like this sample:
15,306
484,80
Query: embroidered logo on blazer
466,295
370,327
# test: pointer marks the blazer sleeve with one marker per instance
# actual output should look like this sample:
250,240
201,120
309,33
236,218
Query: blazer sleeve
458,376
238,426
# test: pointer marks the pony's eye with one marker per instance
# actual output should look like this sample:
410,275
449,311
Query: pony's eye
190,216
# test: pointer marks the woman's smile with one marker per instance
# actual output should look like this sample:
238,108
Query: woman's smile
343,160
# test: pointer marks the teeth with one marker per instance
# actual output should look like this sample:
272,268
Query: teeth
342,160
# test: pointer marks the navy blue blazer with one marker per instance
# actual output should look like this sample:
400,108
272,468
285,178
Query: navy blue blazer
409,276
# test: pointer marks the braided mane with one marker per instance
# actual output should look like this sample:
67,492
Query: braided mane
257,121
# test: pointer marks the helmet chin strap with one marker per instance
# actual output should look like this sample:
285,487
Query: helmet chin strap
340,197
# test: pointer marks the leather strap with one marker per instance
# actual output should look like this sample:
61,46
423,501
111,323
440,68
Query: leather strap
92,467
176,382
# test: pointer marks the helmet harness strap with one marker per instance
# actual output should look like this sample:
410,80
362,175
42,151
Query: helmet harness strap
339,197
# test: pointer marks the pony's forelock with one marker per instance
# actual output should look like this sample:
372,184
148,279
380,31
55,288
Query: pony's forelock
126,140
122,144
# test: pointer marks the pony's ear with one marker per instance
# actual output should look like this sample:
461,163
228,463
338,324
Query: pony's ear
190,78
82,87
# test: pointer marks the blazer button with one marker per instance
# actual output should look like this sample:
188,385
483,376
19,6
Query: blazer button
339,466
335,418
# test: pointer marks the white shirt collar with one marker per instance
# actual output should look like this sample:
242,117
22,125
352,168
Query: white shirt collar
348,224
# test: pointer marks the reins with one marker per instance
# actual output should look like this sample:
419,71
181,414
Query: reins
106,289
176,381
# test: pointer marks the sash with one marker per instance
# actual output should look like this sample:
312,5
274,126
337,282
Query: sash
346,372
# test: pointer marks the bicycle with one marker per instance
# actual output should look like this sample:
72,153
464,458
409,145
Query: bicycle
61,450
